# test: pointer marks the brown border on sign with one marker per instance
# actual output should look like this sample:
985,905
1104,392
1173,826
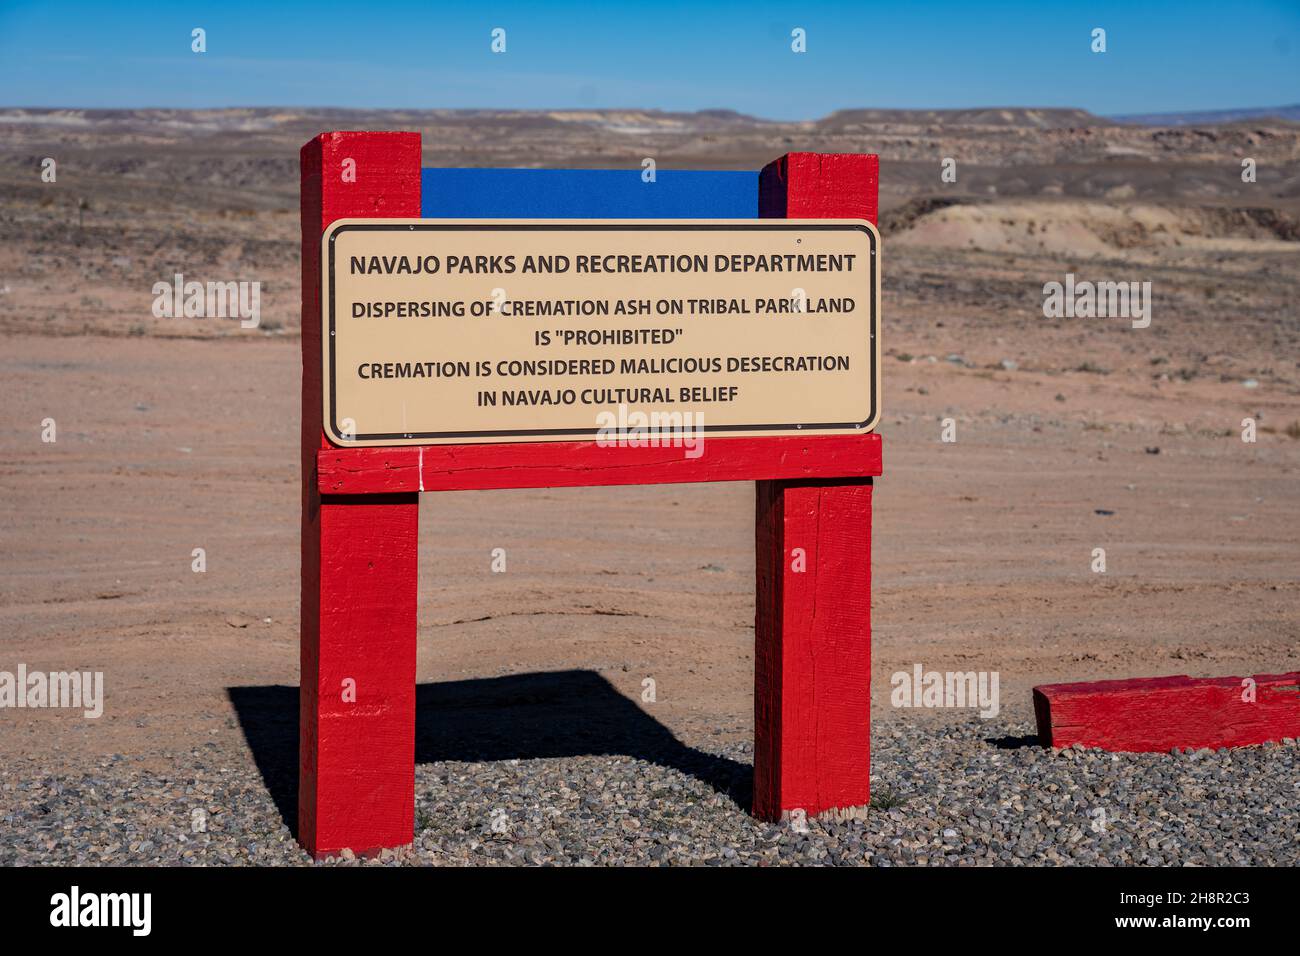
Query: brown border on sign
590,225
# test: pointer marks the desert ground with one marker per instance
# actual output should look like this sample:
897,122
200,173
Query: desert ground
1072,434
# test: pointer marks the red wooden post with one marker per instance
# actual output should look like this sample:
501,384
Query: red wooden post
812,622
356,783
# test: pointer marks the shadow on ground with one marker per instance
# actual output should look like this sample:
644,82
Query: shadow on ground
1012,742
545,714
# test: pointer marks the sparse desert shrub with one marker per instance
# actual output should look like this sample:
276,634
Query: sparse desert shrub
886,798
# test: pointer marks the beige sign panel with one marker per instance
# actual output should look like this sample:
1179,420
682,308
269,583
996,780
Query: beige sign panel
457,331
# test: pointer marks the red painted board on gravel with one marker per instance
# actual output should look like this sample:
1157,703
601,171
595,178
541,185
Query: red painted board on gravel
1160,713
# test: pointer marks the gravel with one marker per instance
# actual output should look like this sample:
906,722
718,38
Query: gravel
973,793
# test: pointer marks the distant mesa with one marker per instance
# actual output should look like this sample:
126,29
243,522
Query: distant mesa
1289,114
628,120
1045,118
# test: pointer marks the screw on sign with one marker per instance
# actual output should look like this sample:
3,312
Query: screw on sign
497,405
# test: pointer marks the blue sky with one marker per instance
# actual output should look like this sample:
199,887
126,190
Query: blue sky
675,56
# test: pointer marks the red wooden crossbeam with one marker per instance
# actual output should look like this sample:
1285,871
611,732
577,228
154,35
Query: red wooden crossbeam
1160,713
351,471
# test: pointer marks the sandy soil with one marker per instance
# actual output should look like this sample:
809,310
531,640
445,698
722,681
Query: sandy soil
982,548
1071,435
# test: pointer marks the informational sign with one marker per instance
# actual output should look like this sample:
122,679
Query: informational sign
456,331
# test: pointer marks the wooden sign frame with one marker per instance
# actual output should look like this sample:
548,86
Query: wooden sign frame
360,510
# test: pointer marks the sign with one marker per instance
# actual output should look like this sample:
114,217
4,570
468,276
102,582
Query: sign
481,342
459,331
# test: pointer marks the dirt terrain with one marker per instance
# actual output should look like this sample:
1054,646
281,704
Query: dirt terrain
1072,434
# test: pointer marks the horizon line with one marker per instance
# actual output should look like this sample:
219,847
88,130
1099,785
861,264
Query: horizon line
1259,110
